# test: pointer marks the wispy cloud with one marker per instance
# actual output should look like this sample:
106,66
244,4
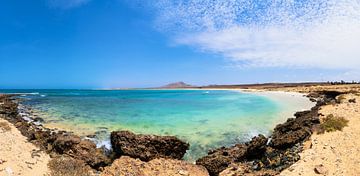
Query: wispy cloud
262,33
67,4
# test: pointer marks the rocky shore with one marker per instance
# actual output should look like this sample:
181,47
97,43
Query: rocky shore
269,156
64,147
161,155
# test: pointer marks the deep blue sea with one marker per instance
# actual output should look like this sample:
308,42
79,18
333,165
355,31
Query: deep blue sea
205,118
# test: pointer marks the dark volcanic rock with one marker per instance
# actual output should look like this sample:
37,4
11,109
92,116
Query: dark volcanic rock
287,134
219,159
147,147
256,147
65,143
8,107
215,163
278,160
295,130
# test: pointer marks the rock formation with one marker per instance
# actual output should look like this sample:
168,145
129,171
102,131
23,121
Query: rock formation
219,159
147,147
56,143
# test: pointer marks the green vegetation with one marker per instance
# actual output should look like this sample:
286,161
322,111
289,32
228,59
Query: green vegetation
4,126
332,123
67,166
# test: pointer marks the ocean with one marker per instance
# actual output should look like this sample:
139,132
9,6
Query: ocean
207,119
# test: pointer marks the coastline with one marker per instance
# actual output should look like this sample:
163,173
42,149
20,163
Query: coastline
288,103
336,152
293,99
292,102
296,91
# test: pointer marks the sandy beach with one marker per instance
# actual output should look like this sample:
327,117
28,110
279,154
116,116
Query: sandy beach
18,156
338,152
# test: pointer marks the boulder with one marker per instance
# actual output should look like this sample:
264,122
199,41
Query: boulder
65,143
147,147
215,163
84,150
256,147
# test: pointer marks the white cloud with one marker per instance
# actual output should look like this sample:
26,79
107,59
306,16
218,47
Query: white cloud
281,33
67,4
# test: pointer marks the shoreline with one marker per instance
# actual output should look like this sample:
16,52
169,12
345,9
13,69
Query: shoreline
333,153
297,91
287,101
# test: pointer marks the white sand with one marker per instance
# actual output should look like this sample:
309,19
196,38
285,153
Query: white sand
291,102
18,156
338,152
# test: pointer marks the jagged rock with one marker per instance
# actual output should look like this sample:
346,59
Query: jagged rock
157,167
65,143
256,147
215,163
278,160
287,139
147,147
219,159
295,130
84,150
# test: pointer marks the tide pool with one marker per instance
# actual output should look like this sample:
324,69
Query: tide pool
207,119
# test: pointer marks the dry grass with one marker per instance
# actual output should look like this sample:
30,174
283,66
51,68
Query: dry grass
332,123
4,126
67,166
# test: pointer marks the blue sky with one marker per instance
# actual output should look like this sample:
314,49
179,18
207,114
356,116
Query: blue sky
123,43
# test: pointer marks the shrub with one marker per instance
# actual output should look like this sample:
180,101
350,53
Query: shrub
4,126
67,166
332,123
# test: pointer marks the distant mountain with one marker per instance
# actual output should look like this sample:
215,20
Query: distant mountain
177,85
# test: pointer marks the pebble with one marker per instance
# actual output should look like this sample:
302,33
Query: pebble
291,169
320,169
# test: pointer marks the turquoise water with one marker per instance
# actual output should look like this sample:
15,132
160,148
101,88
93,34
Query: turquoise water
205,118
